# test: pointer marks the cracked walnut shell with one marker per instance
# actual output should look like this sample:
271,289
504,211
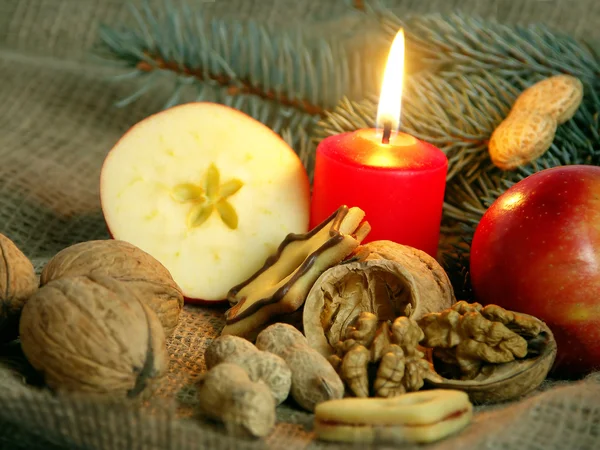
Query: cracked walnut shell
491,353
124,262
93,334
17,283
383,278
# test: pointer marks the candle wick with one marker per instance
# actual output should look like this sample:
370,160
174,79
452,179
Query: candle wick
387,131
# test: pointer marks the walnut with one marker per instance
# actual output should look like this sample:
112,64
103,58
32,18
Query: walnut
93,334
18,282
401,366
127,263
492,353
383,278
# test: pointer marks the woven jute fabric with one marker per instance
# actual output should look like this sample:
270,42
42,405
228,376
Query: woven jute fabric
57,123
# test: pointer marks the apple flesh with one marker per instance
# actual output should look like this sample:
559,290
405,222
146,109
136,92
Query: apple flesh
208,191
536,250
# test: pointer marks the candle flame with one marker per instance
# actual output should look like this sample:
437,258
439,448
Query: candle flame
390,99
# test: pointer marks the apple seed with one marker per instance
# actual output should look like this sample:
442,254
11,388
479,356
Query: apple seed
227,213
199,214
230,188
216,198
186,192
212,181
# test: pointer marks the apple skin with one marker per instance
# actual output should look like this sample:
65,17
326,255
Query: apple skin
301,174
536,250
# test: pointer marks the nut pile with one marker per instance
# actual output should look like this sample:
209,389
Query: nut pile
379,322
490,353
96,321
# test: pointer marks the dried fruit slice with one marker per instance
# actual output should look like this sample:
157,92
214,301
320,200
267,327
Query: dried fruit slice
207,191
416,417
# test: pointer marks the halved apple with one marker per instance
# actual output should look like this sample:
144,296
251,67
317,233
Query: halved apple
208,191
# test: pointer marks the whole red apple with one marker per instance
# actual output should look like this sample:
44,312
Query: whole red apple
536,250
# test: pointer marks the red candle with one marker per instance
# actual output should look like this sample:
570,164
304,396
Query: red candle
399,185
397,179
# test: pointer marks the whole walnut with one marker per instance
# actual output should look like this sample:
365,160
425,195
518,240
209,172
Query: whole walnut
127,263
93,334
18,282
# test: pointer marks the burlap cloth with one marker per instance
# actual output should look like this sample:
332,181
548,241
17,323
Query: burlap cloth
57,122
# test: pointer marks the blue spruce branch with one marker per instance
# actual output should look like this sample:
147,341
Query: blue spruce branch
468,44
285,78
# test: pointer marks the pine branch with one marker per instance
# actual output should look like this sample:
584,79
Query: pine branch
306,88
464,44
469,44
288,72
234,87
303,144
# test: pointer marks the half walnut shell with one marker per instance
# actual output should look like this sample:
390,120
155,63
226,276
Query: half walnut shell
496,383
384,278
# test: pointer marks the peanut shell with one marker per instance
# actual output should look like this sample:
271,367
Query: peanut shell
558,96
520,139
529,129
